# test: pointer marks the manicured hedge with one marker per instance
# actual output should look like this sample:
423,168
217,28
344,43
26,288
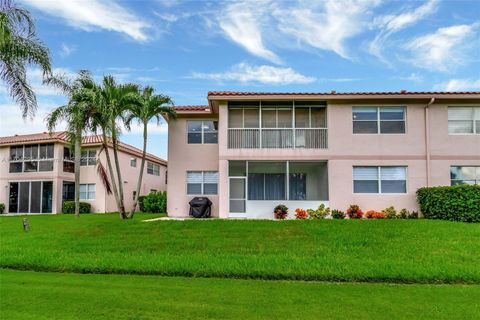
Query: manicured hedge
455,203
155,202
69,207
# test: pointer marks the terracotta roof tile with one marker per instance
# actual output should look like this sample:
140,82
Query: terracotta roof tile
62,137
191,108
237,93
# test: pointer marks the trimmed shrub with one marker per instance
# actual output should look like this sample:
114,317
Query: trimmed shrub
301,214
320,213
390,213
338,214
372,214
140,203
454,203
354,212
155,202
69,207
2,208
280,212
413,215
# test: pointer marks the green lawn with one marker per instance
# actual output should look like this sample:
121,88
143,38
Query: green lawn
405,251
31,295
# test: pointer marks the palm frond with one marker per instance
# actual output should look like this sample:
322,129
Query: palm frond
102,173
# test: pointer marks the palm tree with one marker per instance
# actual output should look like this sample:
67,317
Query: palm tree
149,106
76,113
19,47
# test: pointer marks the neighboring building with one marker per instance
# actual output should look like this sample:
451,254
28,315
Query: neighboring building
37,173
250,151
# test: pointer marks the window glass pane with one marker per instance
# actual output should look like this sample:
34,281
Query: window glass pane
308,181
284,118
194,177
237,168
365,173
83,188
16,167
252,118
35,196
30,166
275,186
393,173
210,177
194,126
460,113
460,126
392,126
365,127
210,188
235,118
194,138
269,118
392,113
237,206
68,166
302,117
210,126
13,198
256,186
237,188
364,113
47,197
477,126
84,158
319,117
394,186
194,188
210,137
365,186
46,151
45,165
16,153
24,197
463,173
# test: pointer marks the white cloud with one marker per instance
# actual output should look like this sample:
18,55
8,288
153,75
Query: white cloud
243,72
90,15
415,77
459,85
325,25
389,24
168,17
67,50
241,22
444,49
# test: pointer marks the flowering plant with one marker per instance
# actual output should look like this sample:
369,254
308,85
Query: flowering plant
301,214
372,214
280,212
354,212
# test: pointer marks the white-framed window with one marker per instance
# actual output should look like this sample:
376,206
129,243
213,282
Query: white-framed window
87,191
133,162
464,120
153,168
202,132
374,120
88,158
31,158
202,182
381,179
464,175
68,160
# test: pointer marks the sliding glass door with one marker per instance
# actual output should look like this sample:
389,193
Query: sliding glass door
31,197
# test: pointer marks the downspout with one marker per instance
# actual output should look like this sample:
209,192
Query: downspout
427,139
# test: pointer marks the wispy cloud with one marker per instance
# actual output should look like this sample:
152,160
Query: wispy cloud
459,85
243,72
443,50
66,50
392,23
90,15
241,23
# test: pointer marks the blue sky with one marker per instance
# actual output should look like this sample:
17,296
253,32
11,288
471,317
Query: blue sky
187,48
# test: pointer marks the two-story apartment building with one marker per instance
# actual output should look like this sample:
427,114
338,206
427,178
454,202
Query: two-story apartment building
250,151
37,173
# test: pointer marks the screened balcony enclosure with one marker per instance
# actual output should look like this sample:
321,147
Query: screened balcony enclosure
277,125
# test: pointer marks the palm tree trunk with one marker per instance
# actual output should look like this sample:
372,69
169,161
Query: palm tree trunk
110,170
140,174
119,176
78,155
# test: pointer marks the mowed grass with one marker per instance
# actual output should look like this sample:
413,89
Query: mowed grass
32,295
403,251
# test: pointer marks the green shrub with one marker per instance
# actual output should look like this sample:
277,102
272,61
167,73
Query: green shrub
413,215
454,203
155,202
140,203
338,214
320,213
69,207
404,214
280,212
2,208
390,213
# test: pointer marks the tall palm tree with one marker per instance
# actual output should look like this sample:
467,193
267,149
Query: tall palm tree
20,47
76,113
149,106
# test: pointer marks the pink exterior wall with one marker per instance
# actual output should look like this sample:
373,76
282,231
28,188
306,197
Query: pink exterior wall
344,151
88,174
187,157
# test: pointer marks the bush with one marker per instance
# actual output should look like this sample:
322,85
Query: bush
301,214
320,213
403,214
413,215
69,207
354,212
155,202
140,203
390,213
372,214
280,212
338,214
454,203
2,208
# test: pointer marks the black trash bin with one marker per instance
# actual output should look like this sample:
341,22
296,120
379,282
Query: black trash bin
200,207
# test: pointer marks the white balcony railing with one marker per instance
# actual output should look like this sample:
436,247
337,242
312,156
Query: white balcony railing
288,138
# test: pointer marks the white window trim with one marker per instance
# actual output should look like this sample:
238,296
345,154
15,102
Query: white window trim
153,170
379,180
201,132
378,107
38,159
202,191
477,178
88,157
476,115
88,185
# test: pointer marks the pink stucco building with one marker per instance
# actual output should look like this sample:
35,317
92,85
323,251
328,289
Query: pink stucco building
37,173
250,151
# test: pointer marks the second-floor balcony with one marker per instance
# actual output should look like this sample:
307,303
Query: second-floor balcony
277,125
